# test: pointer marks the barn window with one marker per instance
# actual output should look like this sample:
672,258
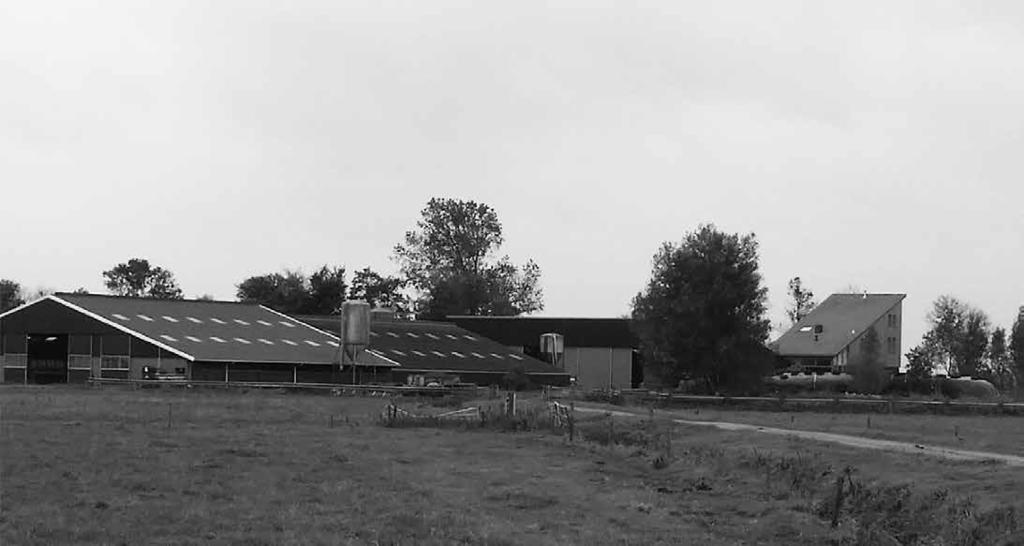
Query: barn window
115,362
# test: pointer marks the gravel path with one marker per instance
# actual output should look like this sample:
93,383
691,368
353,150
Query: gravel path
842,439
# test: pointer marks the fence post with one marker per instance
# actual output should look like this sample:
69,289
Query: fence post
572,420
510,404
838,501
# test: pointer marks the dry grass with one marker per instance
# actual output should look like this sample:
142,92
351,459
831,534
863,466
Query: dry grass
103,467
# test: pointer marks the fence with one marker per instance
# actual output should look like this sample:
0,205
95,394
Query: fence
837,404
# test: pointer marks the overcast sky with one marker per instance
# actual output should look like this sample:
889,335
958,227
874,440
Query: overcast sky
876,144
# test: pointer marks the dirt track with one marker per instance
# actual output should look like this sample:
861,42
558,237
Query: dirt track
843,439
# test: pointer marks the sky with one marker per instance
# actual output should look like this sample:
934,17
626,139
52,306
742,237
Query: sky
875,145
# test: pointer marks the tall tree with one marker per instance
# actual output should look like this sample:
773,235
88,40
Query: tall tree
959,336
138,278
379,290
974,344
285,293
921,361
327,291
802,300
1000,367
702,313
1016,346
867,371
322,293
449,260
10,295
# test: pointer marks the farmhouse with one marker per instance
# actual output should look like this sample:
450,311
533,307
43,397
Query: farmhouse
599,352
74,337
832,334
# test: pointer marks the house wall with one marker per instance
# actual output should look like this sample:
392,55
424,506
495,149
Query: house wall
890,340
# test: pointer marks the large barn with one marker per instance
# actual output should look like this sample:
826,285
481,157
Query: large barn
74,337
425,348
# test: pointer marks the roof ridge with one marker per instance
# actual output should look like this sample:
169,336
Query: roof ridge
146,298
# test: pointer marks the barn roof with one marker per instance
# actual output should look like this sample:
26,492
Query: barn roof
214,331
843,317
578,332
440,346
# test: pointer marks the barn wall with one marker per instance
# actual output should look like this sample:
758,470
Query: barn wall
600,367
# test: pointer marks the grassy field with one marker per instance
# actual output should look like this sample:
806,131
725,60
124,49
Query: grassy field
113,466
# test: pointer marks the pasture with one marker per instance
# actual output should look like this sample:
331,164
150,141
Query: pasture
118,466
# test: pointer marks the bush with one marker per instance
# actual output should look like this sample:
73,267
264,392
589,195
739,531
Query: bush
517,380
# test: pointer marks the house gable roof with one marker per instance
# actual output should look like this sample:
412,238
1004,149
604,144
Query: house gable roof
843,317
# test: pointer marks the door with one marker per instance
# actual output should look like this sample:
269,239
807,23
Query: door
47,359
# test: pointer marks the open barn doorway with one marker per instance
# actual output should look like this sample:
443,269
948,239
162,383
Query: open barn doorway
47,359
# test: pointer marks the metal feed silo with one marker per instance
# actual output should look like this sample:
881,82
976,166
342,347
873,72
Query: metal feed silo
552,349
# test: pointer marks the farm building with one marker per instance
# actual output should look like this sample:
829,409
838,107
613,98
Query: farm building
599,352
438,349
74,337
832,334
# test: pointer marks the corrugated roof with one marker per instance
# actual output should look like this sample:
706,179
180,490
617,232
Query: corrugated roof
215,330
424,345
844,317
578,332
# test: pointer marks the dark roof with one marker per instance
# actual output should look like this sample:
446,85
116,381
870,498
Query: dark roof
843,317
212,330
578,332
436,346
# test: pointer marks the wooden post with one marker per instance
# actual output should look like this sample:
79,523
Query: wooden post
838,504
572,420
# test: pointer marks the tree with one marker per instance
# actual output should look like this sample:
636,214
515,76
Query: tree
138,278
379,290
1016,346
701,315
327,290
322,293
974,344
285,293
868,374
11,295
1000,367
803,300
920,362
959,336
448,260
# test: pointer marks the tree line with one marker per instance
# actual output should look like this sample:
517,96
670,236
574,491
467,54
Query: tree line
700,317
961,341
448,265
